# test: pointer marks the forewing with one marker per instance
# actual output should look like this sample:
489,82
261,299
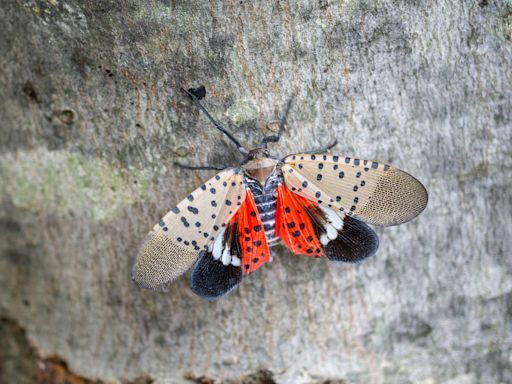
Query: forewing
373,192
175,242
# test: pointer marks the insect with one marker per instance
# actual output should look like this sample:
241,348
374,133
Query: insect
315,203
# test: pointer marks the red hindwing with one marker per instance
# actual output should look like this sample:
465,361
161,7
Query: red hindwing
252,239
294,225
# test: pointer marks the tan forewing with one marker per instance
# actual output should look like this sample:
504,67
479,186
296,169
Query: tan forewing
370,191
174,243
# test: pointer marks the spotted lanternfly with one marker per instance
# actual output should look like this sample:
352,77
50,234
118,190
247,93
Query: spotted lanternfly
315,203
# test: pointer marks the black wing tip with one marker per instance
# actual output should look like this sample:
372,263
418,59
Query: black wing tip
355,243
212,280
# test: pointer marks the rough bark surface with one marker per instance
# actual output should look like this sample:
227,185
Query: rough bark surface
92,120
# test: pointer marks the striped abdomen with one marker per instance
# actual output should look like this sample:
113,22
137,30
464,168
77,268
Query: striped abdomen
266,203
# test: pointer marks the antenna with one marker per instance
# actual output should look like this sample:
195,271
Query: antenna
201,92
282,123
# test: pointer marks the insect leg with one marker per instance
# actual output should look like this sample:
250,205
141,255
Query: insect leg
282,123
196,101
325,149
200,167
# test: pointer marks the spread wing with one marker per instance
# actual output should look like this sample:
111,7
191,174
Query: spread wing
373,192
176,241
238,250
310,229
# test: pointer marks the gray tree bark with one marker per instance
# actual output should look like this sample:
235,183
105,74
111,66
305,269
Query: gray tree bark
92,120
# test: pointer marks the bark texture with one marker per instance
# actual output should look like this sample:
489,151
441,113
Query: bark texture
92,120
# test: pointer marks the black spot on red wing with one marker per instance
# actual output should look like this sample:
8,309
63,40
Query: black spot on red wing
309,250
310,238
194,210
341,175
175,210
248,249
247,230
257,228
247,266
253,214
296,234
287,209
257,243
291,225
247,239
255,260
302,225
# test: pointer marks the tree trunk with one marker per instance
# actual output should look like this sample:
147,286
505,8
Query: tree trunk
92,120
